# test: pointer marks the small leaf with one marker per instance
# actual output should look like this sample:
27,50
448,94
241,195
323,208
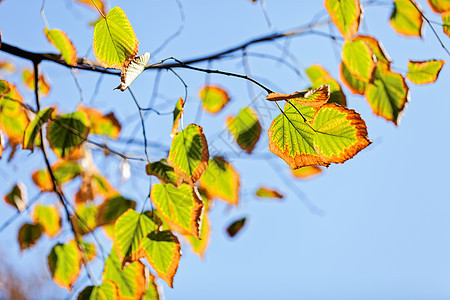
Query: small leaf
152,291
406,18
17,197
307,172
245,128
67,132
85,219
4,88
177,113
214,98
28,78
315,98
268,193
13,119
319,76
112,209
132,70
162,251
34,127
354,84
61,41
100,124
98,5
28,235
8,67
49,218
200,244
180,207
346,15
446,21
107,290
422,72
189,153
163,171
64,262
63,171
235,227
359,59
88,249
115,43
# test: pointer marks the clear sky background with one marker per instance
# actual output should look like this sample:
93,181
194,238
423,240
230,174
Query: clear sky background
376,227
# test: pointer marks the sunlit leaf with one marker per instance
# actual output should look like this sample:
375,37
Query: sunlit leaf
34,127
180,207
358,57
49,218
189,153
268,193
200,244
64,262
422,72
376,48
307,172
316,97
94,4
132,70
88,249
115,43
66,132
4,88
102,124
319,76
85,219
388,94
446,21
13,119
214,98
177,113
61,41
406,18
346,15
63,171
439,6
235,227
28,78
107,290
245,128
221,180
163,171
113,208
17,197
354,84
93,185
28,235
152,291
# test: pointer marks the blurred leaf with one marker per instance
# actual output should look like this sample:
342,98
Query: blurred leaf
88,215
113,208
13,119
63,171
89,250
115,43
346,15
200,244
319,76
132,70
179,206
439,6
406,19
315,98
93,185
177,113
98,4
446,21
4,88
235,227
307,172
102,124
245,128
34,127
61,41
214,98
422,72
358,58
28,78
28,235
268,193
48,217
189,153
17,197
163,171
107,290
354,84
64,262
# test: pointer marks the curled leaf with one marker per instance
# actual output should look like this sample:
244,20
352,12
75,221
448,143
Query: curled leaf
319,76
316,97
132,70
17,197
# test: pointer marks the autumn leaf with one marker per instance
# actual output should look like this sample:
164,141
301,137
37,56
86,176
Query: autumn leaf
28,235
423,72
177,113
28,78
376,47
446,21
358,58
307,172
112,209
354,84
106,125
439,6
34,127
200,244
319,76
406,18
107,290
94,4
61,41
64,262
163,171
63,171
265,192
48,217
17,197
316,97
214,98
132,70
245,128
236,226
346,15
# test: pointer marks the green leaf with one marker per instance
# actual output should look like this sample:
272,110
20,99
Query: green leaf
264,192
406,18
346,15
87,218
13,119
63,171
354,84
34,127
162,251
177,113
67,132
236,226
423,72
376,48
112,209
64,262
17,197
189,153
221,180
61,41
115,43
446,21
388,94
48,216
107,290
130,228
200,244
180,207
319,76
245,128
163,171
4,88
214,98
439,6
358,58
28,235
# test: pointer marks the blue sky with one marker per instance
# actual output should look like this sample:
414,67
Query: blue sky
376,227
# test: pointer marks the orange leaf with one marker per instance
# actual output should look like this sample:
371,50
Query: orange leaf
307,172
315,98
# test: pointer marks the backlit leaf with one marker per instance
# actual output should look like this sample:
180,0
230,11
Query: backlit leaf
316,97
189,153
48,217
446,21
177,113
180,207
214,98
85,219
152,291
88,249
93,185
13,119
406,19
422,72
354,84
376,48
67,132
61,41
63,171
17,197
200,244
98,4
28,78
102,124
307,172
4,88
163,171
115,43
113,208
64,262
439,6
388,94
132,70
34,127
319,76
268,193
236,226
28,235
245,128
107,290
346,15
162,251
359,59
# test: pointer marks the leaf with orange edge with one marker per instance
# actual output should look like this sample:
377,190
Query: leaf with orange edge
446,21
236,227
358,57
64,262
406,18
315,98
346,15
17,197
28,78
48,216
61,41
7,66
245,128
153,289
388,94
439,6
112,209
307,172
34,127
28,235
63,171
221,180
355,85
177,113
376,47
4,88
85,219
265,192
132,70
189,153
319,76
163,171
13,119
107,290
200,244
214,98
94,4
423,72
102,124
180,207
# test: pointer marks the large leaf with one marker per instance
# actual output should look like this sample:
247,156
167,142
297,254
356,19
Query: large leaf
163,171
406,18
319,76
107,290
221,180
422,72
115,43
28,235
17,197
177,113
388,94
214,98
48,216
61,41
64,262
359,59
162,251
180,207
102,124
132,70
346,15
245,128
34,127
67,132
112,209
189,153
